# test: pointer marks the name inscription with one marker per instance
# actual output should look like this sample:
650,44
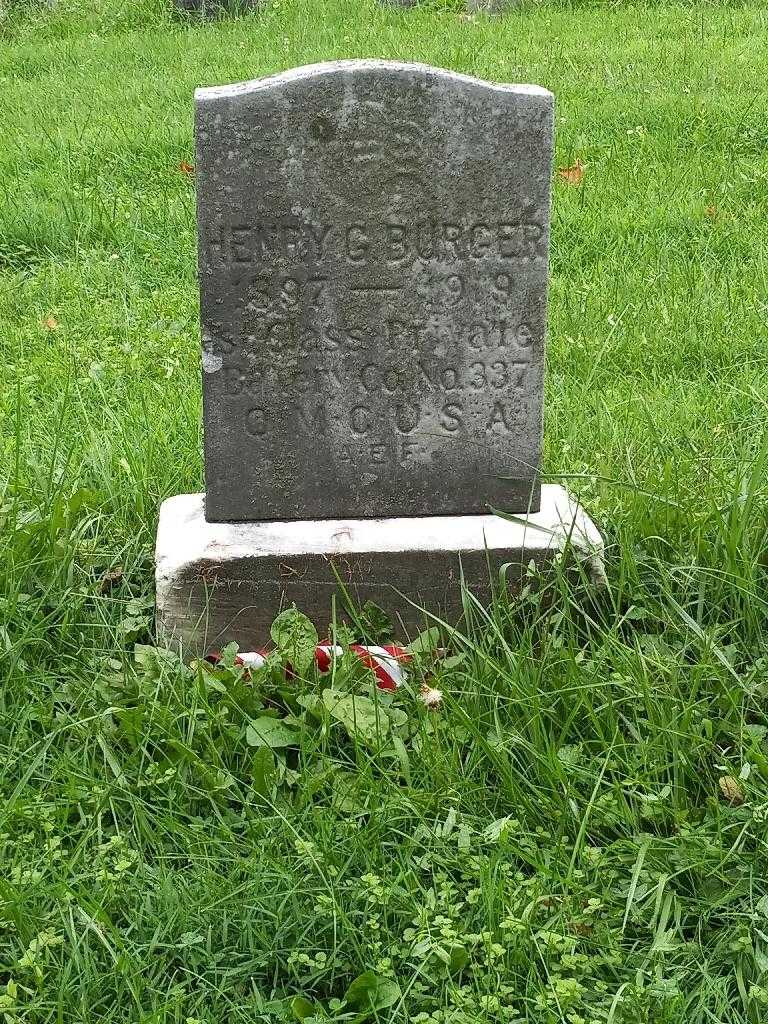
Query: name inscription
383,339
363,242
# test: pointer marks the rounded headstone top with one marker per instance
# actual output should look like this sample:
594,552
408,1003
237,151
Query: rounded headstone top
373,242
362,67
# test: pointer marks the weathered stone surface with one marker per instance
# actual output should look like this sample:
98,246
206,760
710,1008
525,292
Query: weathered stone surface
219,582
373,243
472,6
490,6
215,8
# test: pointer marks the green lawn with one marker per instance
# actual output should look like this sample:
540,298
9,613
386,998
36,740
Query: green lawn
579,834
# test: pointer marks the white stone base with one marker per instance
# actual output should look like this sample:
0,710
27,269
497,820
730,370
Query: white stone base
218,582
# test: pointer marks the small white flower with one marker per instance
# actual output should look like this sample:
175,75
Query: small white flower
431,698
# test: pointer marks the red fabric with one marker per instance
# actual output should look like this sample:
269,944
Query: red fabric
386,678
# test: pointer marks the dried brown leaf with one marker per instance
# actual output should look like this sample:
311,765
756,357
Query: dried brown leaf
51,323
186,168
731,790
111,579
573,175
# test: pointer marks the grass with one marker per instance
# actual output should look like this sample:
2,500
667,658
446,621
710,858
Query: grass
579,834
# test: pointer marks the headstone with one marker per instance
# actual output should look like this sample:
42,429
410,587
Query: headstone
373,243
490,6
215,8
472,6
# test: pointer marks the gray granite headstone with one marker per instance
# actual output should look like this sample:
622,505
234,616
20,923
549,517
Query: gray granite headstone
472,6
373,242
216,8
490,6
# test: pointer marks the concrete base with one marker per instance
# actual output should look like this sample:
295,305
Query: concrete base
218,582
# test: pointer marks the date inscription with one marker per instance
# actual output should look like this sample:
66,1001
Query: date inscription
385,342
